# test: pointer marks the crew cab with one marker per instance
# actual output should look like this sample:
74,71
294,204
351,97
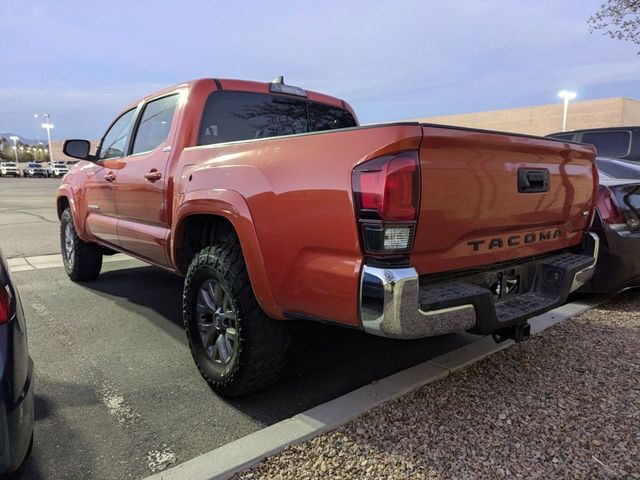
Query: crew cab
57,169
9,169
275,205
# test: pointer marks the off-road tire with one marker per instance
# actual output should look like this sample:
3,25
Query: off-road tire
84,261
263,343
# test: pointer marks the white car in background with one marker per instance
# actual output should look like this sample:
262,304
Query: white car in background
9,169
57,169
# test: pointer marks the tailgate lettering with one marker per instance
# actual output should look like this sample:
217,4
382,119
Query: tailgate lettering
515,240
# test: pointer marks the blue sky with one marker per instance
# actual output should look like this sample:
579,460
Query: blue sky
82,61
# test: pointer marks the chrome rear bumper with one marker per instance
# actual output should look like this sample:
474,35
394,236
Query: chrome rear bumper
391,306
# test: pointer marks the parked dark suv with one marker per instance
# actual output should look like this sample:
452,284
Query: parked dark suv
614,142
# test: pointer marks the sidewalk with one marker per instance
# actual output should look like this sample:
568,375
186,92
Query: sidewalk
566,404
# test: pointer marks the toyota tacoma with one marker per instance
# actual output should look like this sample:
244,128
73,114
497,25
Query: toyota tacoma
275,205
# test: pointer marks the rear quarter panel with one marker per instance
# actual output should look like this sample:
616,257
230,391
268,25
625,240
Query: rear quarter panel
298,195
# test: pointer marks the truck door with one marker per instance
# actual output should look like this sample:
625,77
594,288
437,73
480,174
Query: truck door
143,210
102,220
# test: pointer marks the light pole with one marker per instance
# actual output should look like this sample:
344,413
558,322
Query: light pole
35,124
566,95
15,145
48,126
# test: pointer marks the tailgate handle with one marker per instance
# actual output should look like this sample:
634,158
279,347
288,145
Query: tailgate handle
533,180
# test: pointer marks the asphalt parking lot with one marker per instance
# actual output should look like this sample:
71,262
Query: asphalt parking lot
117,393
28,220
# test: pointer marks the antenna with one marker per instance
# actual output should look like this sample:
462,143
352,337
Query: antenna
278,80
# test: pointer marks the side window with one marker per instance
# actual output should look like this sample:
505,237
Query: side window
115,140
609,144
155,123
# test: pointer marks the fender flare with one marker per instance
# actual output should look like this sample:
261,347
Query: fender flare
66,191
232,206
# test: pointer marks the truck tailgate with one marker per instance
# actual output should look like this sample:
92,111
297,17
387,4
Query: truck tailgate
485,197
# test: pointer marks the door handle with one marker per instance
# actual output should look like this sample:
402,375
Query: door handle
153,175
110,177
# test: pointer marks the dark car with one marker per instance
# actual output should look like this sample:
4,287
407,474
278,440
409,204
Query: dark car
617,142
616,168
16,378
617,223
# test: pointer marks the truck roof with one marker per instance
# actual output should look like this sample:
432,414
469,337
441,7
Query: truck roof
243,86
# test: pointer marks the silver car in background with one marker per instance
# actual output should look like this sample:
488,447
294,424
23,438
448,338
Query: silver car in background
34,169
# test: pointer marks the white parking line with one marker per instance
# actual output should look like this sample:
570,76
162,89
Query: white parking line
39,262
247,451
114,401
117,406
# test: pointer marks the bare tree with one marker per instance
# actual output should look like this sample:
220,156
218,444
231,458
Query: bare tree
619,19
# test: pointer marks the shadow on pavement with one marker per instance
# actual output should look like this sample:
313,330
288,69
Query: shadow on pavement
149,287
37,466
325,361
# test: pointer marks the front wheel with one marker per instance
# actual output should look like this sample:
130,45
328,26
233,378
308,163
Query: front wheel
236,347
82,260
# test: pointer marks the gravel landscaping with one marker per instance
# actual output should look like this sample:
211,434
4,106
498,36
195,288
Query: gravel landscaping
565,404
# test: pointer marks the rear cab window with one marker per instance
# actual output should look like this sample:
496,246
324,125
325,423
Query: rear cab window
231,116
609,144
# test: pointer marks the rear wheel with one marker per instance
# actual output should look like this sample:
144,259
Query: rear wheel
82,260
236,347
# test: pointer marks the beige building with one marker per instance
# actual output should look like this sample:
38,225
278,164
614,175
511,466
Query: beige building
545,119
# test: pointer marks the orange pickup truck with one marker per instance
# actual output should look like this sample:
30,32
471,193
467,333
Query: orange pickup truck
275,205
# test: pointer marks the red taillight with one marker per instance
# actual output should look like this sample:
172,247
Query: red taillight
387,188
371,188
608,208
401,189
5,306
386,194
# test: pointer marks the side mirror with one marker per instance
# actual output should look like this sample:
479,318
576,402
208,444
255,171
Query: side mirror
78,149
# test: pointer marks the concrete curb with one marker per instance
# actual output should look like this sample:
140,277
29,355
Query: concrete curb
247,451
